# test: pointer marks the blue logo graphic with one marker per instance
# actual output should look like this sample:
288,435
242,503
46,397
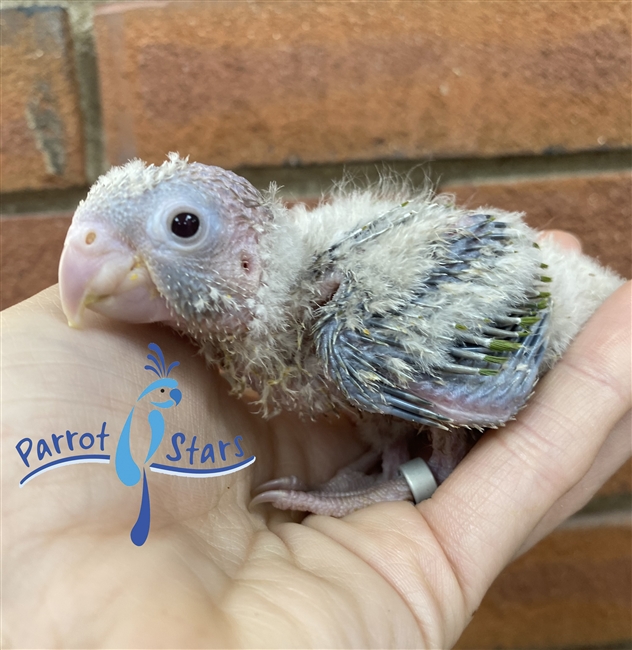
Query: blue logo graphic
126,468
163,393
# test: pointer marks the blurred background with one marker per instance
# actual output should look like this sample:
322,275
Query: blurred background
522,105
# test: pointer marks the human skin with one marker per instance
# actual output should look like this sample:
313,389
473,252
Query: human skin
214,573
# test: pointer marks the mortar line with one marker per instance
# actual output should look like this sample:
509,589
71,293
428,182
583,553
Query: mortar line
311,181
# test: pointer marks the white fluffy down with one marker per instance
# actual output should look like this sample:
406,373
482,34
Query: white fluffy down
274,358
578,286
274,353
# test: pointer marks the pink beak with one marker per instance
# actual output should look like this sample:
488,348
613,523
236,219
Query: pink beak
98,271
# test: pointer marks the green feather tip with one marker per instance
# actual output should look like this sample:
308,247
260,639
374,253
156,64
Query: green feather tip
504,346
491,359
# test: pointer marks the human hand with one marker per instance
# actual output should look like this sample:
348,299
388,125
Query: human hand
213,573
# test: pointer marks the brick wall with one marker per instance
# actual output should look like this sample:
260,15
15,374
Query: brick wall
523,105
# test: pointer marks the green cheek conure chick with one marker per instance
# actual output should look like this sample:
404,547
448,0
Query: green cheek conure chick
395,306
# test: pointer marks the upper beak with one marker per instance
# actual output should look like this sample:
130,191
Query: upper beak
98,271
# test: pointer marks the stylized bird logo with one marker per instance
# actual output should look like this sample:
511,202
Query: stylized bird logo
126,467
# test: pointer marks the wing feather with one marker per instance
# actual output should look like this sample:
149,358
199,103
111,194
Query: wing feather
488,369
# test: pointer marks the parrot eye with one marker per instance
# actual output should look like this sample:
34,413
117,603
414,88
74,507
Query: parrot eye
185,225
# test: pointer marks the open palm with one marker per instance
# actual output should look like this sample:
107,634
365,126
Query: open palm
214,573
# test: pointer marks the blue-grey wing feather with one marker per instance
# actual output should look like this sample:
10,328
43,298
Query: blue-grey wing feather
490,372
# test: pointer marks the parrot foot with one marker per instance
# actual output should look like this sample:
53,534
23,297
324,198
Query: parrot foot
358,485
335,503
350,489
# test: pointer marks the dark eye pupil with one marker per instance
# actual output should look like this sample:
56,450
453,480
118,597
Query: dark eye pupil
185,224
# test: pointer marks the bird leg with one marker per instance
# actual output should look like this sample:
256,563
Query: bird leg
355,486
449,448
351,488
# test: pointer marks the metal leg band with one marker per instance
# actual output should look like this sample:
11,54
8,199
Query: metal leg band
420,480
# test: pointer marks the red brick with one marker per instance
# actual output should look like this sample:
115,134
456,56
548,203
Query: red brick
40,119
30,247
620,483
571,590
268,83
596,208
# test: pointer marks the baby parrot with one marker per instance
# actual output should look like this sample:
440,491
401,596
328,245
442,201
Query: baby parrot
419,319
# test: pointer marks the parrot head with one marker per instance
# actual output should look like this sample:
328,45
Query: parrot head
175,244
165,393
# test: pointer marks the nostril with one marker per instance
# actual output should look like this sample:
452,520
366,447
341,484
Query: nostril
90,237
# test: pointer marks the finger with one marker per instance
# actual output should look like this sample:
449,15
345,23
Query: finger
614,452
77,380
486,510
563,238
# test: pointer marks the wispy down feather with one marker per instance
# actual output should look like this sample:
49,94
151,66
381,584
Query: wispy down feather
385,302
